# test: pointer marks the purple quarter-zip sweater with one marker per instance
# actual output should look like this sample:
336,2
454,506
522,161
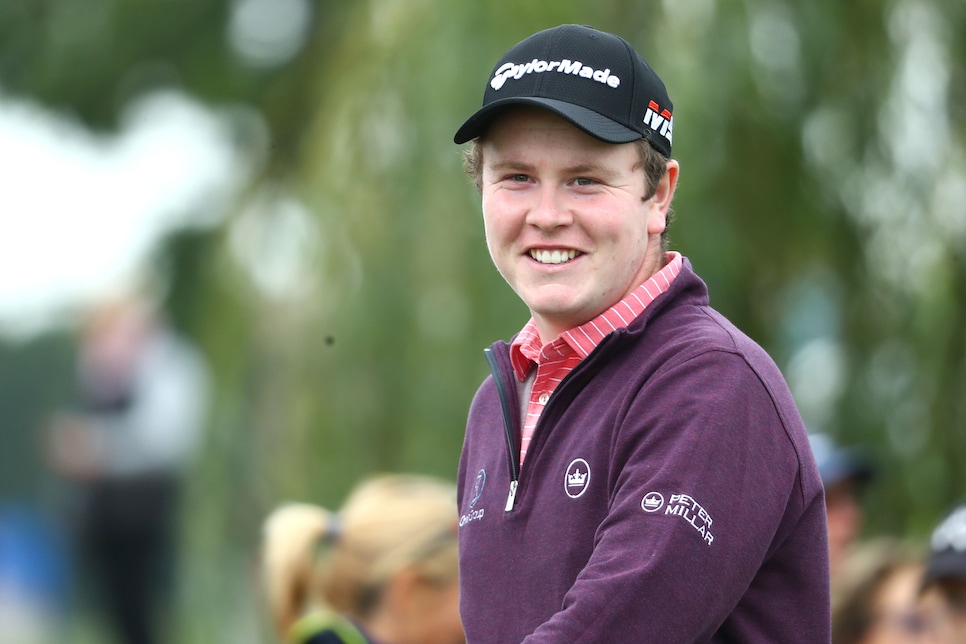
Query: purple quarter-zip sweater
669,495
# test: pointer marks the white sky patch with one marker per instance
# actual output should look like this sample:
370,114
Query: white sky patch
79,210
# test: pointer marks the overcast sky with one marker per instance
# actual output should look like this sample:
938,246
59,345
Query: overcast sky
79,210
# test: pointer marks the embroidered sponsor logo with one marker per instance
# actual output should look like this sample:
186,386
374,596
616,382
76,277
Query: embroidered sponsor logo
475,515
478,487
684,506
577,478
516,71
652,501
659,120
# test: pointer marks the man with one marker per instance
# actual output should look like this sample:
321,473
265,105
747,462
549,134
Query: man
141,408
944,584
845,472
635,469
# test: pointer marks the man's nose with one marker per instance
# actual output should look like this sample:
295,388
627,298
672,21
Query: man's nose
549,209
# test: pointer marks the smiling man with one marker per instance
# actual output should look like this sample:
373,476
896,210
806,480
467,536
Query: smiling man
634,469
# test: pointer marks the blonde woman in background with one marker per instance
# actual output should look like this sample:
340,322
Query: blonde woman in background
876,597
383,570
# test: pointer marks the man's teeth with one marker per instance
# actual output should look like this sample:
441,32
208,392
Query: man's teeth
553,256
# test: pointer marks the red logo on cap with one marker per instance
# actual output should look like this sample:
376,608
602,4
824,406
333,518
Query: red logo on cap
659,120
654,107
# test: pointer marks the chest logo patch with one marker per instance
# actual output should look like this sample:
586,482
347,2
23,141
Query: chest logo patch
478,488
474,513
577,478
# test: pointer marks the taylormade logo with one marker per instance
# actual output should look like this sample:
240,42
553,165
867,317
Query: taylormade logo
565,66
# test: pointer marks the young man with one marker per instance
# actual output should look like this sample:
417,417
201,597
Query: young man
635,469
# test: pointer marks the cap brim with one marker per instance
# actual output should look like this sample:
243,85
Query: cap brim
597,126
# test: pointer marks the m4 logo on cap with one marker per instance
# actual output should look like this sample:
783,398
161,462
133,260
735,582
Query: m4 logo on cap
659,120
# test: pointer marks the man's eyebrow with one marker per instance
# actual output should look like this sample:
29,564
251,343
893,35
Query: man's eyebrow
579,168
591,168
503,166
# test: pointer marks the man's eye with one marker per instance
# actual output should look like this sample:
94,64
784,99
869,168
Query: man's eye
584,181
522,178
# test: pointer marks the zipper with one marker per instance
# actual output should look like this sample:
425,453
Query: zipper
512,454
513,451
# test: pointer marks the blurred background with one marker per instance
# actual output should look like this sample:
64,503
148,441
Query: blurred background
278,177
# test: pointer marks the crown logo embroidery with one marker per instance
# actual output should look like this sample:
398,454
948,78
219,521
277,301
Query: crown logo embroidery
652,501
576,479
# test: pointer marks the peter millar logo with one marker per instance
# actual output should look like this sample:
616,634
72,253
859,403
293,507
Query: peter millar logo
683,506
577,479
517,71
652,501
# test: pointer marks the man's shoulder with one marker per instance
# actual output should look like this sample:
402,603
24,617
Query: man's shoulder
688,326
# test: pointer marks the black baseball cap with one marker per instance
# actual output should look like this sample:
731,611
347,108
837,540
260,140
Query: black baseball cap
593,79
947,548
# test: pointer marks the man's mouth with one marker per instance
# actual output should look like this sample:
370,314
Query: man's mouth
556,256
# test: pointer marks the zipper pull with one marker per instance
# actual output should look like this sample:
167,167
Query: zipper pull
512,497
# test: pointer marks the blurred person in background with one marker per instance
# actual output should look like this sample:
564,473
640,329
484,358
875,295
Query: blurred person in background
845,473
142,397
383,569
877,596
944,583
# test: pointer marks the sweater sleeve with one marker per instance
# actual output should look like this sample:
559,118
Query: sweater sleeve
716,524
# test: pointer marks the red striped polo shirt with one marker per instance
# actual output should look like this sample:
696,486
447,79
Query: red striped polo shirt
556,359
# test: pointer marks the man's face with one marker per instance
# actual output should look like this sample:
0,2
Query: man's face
566,221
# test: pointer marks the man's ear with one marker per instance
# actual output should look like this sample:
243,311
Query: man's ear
660,202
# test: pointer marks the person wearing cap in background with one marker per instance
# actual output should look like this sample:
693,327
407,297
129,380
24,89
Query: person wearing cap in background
845,472
943,595
634,469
